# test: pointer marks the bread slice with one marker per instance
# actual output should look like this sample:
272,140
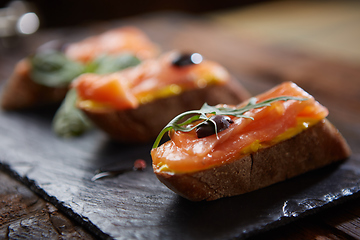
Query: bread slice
317,146
144,123
21,91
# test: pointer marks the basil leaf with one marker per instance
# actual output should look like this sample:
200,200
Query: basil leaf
54,69
108,64
70,121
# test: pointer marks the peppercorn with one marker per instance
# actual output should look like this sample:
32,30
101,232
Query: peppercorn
222,122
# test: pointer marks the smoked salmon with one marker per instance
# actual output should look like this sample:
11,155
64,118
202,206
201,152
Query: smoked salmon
132,105
123,40
43,78
187,162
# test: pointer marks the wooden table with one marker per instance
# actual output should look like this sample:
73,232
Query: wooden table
258,64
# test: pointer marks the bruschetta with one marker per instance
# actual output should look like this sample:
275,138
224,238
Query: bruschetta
230,150
43,78
134,104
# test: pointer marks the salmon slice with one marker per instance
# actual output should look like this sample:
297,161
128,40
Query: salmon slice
151,80
113,42
185,152
133,105
22,91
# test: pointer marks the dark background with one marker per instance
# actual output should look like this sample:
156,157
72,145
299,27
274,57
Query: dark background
57,13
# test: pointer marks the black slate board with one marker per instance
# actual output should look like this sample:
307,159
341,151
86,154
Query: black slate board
135,204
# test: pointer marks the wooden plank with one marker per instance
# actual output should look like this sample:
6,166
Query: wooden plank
272,65
329,29
24,215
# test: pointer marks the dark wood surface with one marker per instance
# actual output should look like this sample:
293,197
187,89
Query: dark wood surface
334,83
24,215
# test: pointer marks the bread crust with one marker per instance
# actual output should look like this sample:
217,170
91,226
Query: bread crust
22,92
317,146
144,123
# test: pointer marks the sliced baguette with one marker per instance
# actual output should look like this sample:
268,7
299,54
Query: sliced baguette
22,92
313,148
144,123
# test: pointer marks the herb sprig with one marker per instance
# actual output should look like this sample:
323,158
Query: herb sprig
69,121
179,124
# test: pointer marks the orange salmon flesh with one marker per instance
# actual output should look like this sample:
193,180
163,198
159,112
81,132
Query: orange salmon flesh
185,152
152,79
113,42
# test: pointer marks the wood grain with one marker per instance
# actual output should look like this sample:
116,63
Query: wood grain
24,215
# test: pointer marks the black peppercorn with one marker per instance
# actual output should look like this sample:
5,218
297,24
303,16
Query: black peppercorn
186,59
222,122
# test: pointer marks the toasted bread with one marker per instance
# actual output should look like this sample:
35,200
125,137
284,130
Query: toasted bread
274,136
21,91
313,148
143,124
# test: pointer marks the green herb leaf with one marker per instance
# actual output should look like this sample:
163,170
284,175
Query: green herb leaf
109,64
179,124
70,121
54,69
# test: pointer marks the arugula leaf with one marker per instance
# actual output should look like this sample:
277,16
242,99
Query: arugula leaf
54,69
69,120
177,123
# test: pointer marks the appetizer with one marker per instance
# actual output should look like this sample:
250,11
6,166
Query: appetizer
134,104
225,150
43,78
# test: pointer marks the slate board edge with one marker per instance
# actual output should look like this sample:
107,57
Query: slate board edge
82,221
92,228
285,220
